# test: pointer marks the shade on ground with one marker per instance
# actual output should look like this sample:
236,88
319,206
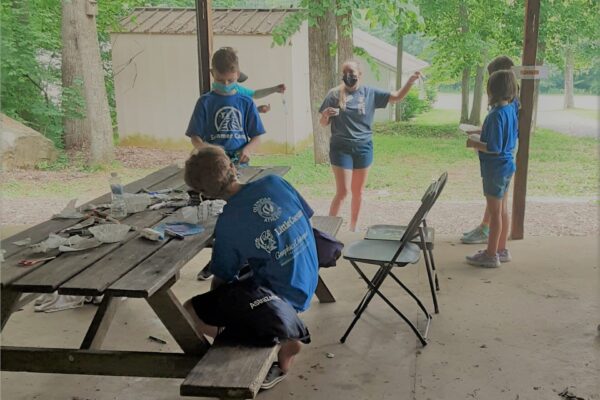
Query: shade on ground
527,330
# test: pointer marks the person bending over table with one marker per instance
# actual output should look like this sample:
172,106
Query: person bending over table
350,109
264,260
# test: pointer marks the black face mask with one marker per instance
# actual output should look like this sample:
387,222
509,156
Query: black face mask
350,80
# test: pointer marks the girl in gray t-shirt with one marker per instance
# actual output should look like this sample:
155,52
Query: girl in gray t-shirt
350,109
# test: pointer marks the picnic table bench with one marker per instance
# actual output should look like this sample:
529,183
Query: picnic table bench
135,268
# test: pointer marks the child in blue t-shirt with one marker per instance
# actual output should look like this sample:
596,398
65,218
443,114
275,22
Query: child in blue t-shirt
223,116
264,226
496,144
481,232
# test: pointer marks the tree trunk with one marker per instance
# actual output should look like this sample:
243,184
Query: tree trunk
569,66
464,92
399,52
321,65
97,111
345,42
475,118
75,134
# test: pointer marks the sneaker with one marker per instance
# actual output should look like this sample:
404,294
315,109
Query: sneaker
481,259
205,274
274,376
504,256
478,235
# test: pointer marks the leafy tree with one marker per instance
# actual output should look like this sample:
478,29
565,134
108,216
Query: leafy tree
569,32
404,18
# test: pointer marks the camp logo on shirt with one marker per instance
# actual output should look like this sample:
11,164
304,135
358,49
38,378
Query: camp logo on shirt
228,119
267,209
266,241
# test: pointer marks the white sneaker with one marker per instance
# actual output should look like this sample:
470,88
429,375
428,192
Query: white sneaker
274,376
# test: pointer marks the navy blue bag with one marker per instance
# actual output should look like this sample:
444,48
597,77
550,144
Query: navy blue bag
329,249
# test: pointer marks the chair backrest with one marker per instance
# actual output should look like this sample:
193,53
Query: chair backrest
426,204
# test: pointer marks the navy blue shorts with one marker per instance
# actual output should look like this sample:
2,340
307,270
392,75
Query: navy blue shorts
496,186
250,314
351,155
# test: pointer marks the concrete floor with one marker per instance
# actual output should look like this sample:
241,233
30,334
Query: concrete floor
527,330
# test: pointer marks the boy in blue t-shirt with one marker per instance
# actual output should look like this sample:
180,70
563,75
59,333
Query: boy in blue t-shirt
496,145
264,226
223,116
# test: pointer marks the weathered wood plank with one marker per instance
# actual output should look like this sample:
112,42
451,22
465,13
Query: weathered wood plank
94,280
178,322
323,293
231,372
9,299
51,275
99,327
41,231
97,362
330,225
150,275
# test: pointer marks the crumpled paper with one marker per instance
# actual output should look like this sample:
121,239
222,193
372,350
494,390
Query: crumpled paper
110,233
80,245
69,212
54,241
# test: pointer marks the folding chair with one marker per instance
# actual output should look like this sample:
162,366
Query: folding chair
388,254
424,238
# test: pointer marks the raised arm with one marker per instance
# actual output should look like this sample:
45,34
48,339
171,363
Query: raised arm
399,94
260,93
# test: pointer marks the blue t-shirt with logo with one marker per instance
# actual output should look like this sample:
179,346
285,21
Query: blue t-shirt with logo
500,132
266,224
226,121
354,123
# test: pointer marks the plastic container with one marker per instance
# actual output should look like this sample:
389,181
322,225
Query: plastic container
118,208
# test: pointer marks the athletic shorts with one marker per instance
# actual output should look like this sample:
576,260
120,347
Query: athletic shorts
351,155
496,186
249,314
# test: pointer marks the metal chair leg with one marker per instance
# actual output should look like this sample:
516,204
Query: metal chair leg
375,290
376,277
428,267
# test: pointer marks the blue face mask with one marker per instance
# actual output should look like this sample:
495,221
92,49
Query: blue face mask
224,88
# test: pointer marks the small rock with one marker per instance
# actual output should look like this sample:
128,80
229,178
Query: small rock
330,355
483,346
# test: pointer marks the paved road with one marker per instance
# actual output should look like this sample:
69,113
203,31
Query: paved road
550,113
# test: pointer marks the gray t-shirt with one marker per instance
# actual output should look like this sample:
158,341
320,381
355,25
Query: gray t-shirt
354,123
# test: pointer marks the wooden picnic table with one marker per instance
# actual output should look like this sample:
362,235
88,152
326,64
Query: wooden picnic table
135,268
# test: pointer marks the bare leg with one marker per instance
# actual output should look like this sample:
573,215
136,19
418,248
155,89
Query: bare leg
342,186
486,217
286,354
201,326
505,224
494,205
359,179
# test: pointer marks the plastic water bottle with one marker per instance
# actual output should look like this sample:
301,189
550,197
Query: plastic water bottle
118,207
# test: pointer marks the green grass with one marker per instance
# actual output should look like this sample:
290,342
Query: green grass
409,155
585,113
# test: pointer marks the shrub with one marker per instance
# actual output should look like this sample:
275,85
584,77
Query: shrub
412,105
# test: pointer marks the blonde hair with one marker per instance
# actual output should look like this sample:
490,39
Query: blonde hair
502,86
342,88
209,171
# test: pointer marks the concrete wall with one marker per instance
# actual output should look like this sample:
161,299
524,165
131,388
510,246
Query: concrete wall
156,86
